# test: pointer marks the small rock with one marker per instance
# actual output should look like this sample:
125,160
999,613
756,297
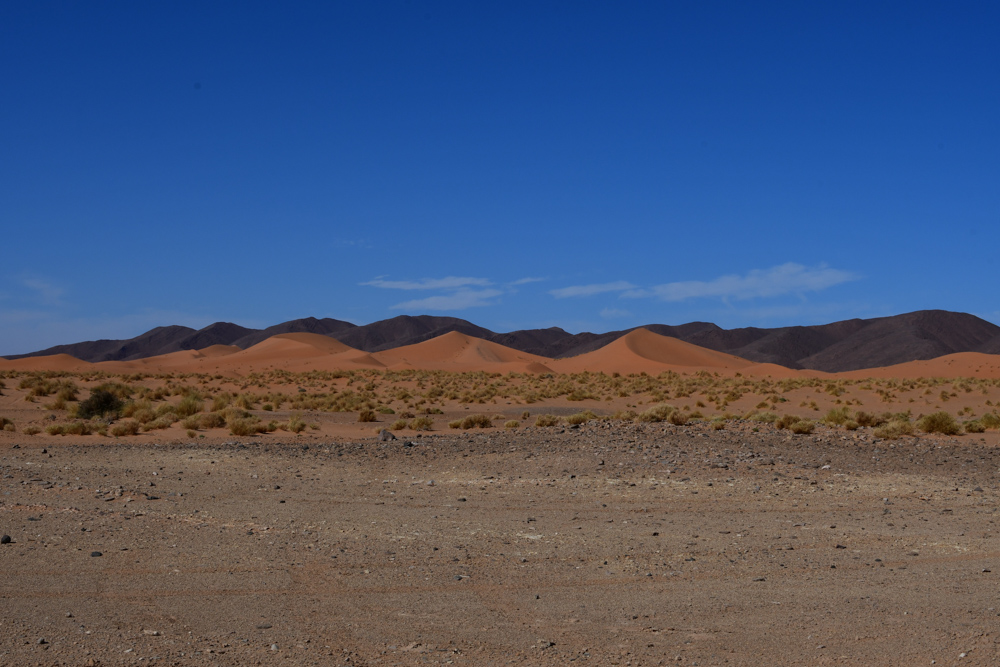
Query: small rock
151,633
840,546
96,554
274,647
41,640
760,579
264,626
385,435
5,539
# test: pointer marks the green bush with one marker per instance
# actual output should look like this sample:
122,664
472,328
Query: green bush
939,422
101,403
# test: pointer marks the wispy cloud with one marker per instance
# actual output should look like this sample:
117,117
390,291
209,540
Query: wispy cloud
43,290
525,281
590,290
788,278
449,283
457,300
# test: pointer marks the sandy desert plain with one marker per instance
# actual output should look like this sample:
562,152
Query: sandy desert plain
458,502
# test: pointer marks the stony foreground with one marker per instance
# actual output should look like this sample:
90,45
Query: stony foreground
603,544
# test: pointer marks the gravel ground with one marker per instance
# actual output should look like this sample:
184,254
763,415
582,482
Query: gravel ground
609,543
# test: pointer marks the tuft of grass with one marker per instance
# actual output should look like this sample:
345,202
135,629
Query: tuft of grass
546,420
939,422
422,424
802,427
245,426
837,416
718,424
581,417
525,416
787,421
123,428
189,405
625,415
894,429
32,430
473,421
212,420
366,416
974,426
296,424
7,424
990,420
398,425
658,413
191,433
765,417
55,429
511,423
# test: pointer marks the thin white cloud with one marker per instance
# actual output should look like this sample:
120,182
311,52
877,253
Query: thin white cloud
525,281
449,283
458,300
590,290
787,278
46,292
614,313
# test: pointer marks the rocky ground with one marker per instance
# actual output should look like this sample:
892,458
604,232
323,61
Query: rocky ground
608,543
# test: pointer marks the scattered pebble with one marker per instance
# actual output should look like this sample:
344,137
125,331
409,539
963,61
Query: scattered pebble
5,539
96,554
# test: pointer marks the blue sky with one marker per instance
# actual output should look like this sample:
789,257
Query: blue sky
593,166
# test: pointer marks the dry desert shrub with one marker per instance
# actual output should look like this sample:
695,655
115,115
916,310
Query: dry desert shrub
787,421
546,420
473,421
974,426
939,422
32,430
7,424
245,426
581,417
189,405
295,424
658,413
422,424
398,425
894,429
212,420
126,427
367,416
802,427
990,420
511,423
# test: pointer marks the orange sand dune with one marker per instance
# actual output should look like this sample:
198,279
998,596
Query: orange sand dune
295,352
60,363
642,350
455,351
960,364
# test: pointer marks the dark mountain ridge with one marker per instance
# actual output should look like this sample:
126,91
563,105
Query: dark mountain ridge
839,346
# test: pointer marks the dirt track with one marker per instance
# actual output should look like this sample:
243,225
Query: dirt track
604,544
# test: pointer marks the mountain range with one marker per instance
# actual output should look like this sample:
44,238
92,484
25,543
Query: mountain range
839,346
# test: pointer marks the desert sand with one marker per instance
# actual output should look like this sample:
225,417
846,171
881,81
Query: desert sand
604,539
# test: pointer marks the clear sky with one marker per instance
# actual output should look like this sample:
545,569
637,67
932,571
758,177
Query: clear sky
588,165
